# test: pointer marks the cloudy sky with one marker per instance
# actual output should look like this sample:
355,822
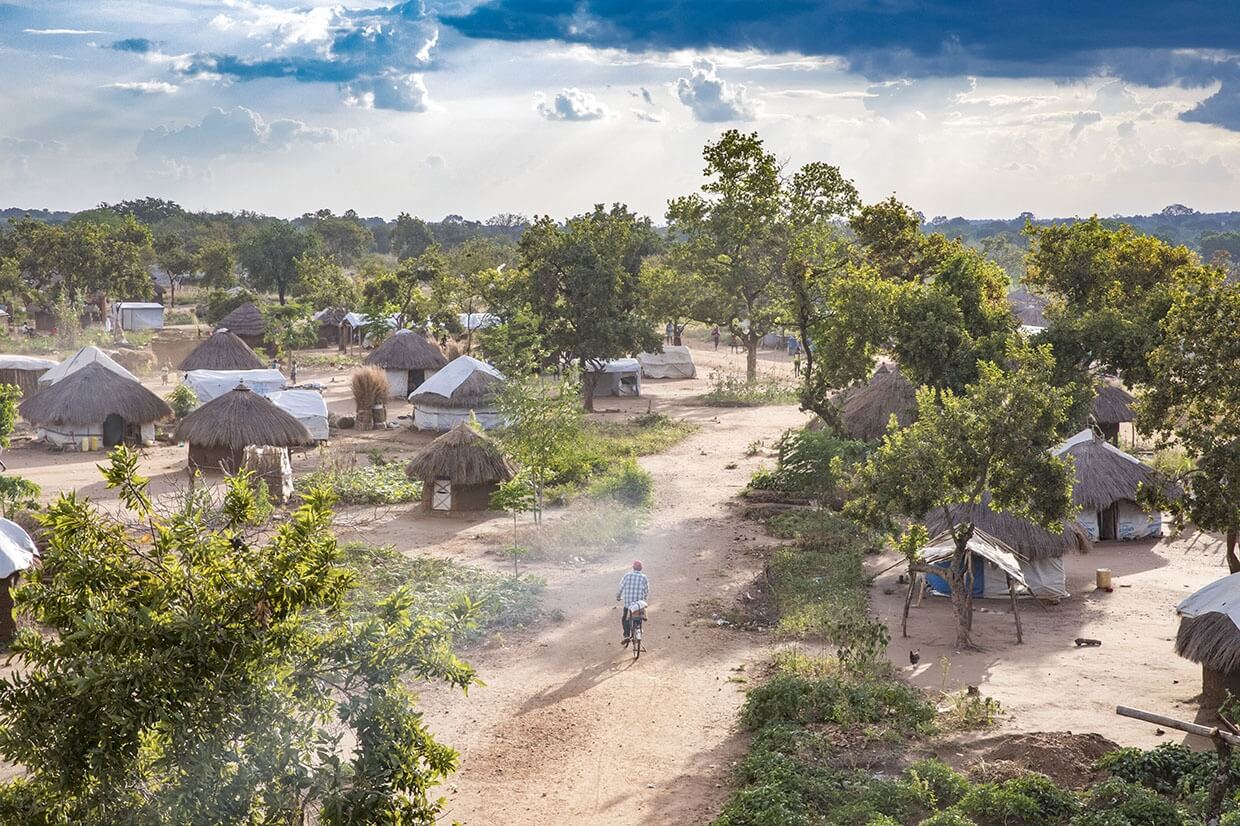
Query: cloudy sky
980,108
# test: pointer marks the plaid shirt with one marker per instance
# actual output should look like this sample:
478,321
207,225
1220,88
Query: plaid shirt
633,587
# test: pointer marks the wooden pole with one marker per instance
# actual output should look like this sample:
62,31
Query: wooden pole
1178,725
1020,637
908,599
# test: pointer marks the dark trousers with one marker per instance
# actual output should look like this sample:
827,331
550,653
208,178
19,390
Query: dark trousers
626,624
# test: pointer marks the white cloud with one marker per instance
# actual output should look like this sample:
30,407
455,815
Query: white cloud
571,105
398,92
286,26
648,117
63,31
713,99
1082,121
222,132
145,87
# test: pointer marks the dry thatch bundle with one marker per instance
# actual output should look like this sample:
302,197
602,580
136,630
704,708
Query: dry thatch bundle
89,395
865,411
463,456
241,418
1027,539
370,388
1105,475
1211,639
1112,405
222,350
407,350
246,320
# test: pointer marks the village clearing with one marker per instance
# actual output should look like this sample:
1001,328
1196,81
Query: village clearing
568,728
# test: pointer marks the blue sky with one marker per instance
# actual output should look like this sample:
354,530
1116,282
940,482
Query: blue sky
548,106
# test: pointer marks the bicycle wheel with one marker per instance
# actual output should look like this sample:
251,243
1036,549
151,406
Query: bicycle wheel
637,639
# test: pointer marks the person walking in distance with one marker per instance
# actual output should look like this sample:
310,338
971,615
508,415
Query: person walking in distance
634,587
668,332
714,336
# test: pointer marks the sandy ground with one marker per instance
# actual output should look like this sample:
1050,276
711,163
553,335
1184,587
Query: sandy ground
569,729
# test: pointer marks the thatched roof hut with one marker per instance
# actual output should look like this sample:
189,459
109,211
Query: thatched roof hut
219,432
1104,488
1022,536
447,398
1112,404
223,350
247,322
459,470
91,403
1209,636
865,411
408,359
1028,307
24,372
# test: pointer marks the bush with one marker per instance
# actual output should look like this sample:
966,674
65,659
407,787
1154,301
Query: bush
1055,805
1168,769
945,785
1136,805
182,400
220,303
733,390
948,818
372,485
807,463
181,317
627,482
990,803
788,698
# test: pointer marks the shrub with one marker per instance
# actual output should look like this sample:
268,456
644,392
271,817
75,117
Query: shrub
372,485
807,463
370,388
991,804
1169,769
948,818
181,317
733,390
1136,805
788,698
182,400
945,785
1055,805
627,482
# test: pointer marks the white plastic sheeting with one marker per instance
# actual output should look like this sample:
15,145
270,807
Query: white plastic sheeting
1131,521
25,363
17,549
675,362
138,315
83,357
307,407
1219,597
620,377
444,383
210,384
1045,578
998,562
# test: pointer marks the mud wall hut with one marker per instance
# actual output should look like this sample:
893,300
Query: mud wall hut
459,471
408,359
94,407
219,432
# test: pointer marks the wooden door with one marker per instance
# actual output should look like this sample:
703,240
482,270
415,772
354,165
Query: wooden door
441,495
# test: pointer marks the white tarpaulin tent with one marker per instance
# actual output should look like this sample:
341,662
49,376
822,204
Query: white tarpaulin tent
209,384
25,363
675,362
435,409
620,377
138,315
83,357
17,549
307,407
478,321
993,563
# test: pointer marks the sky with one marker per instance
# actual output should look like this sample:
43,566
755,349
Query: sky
986,108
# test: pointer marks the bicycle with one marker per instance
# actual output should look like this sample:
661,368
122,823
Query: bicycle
636,619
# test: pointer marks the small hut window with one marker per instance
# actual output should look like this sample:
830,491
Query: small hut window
441,496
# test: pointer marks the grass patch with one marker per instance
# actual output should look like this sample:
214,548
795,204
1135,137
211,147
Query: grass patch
438,584
734,390
605,447
594,529
328,360
380,484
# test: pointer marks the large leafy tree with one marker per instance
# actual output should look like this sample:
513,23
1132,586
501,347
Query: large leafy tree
270,256
217,262
191,673
410,237
964,449
1193,402
66,263
581,281
177,262
343,238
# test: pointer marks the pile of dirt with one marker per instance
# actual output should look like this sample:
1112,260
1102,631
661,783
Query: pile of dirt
1064,757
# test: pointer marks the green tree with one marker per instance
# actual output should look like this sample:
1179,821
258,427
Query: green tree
543,420
672,293
176,261
321,282
218,264
343,239
582,284
270,256
410,237
1193,401
291,328
195,675
67,263
964,450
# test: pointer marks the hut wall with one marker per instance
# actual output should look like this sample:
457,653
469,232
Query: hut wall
398,384
1132,523
465,498
1046,577
619,384
78,437
434,418
27,380
214,459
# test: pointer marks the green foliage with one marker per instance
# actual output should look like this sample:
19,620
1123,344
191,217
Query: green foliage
1170,768
17,494
183,674
10,395
1117,802
944,784
731,390
270,256
222,302
807,463
65,263
947,818
384,484
182,400
290,327
543,425
410,237
788,698
626,482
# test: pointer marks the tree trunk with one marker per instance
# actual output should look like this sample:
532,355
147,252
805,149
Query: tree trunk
1233,563
962,602
589,380
1221,785
280,292
751,356
172,292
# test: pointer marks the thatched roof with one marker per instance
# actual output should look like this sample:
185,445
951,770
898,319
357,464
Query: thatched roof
462,455
222,351
241,418
466,383
331,316
246,320
866,410
1212,639
1103,474
1112,405
89,395
1028,307
1021,535
407,350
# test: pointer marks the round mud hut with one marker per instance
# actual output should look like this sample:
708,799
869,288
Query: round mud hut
24,372
1104,488
409,359
448,398
94,407
1209,636
223,350
865,411
1040,551
459,471
247,323
219,432
1111,407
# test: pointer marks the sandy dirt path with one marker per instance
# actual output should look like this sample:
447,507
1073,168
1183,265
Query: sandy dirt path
569,729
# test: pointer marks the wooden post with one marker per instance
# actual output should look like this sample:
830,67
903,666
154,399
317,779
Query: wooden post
908,599
1020,638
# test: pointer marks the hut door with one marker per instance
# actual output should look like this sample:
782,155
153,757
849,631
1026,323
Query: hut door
113,430
441,495
416,377
1108,522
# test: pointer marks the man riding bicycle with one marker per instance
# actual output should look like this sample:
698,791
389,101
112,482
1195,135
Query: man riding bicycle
634,587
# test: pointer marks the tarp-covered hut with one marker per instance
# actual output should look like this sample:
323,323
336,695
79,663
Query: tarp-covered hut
459,471
94,407
247,323
466,385
866,410
675,362
1209,635
211,384
24,372
995,565
306,406
1104,487
138,315
222,350
219,432
87,355
619,377
409,359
